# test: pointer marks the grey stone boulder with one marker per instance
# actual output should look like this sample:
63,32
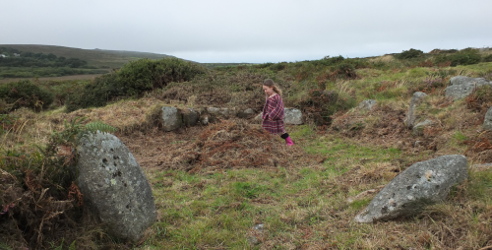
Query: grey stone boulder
421,184
367,104
487,122
171,118
293,116
114,187
190,117
247,113
418,129
417,99
462,86
222,112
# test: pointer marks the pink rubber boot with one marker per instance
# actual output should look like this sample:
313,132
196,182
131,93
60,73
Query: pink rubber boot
289,141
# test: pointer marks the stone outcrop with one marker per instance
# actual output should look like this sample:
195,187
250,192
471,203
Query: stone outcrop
114,187
421,184
412,116
246,114
367,104
462,86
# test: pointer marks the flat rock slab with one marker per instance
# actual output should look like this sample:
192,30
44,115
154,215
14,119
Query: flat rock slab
421,184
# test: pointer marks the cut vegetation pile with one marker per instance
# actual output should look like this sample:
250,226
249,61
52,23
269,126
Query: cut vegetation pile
235,144
228,144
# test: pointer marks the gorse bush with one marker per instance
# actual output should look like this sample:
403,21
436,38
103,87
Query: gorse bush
133,80
25,94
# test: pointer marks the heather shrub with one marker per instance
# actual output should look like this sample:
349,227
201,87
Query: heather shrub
25,94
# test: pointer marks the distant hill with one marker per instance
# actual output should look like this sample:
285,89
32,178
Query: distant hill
98,58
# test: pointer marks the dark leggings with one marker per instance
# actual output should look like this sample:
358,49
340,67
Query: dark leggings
284,136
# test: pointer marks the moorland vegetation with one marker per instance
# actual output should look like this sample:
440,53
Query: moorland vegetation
228,185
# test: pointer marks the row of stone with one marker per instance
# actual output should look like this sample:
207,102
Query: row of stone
173,118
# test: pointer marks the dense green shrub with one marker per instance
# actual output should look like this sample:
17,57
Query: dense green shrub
464,57
345,70
25,94
133,80
327,60
487,58
96,94
409,54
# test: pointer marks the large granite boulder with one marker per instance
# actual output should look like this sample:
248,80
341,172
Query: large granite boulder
421,184
462,86
487,122
114,187
171,118
417,99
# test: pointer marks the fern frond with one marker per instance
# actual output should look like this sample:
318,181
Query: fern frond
103,127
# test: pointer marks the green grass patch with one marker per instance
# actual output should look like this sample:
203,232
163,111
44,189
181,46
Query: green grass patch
480,185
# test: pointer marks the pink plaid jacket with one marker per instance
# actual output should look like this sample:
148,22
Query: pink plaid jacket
273,115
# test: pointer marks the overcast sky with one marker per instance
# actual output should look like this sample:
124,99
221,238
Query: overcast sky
255,31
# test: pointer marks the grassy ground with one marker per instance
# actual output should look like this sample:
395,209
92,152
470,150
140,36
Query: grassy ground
309,206
230,186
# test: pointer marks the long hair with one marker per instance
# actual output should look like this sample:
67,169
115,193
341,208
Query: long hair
270,83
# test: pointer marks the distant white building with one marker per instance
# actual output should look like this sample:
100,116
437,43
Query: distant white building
3,56
16,55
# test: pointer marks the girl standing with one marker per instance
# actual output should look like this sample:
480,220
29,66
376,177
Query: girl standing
273,111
